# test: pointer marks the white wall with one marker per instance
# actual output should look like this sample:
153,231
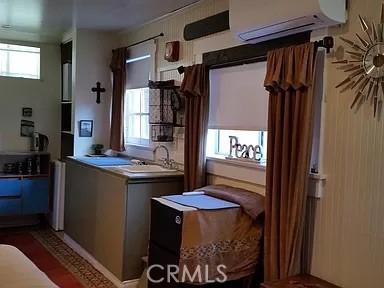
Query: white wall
43,96
92,56
349,228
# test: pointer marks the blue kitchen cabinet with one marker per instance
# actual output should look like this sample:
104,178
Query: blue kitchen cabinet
24,194
10,207
10,188
10,197
35,198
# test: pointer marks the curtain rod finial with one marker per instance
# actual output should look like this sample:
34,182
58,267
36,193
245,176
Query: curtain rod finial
327,43
181,69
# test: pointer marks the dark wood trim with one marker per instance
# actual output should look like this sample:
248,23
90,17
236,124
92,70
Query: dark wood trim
207,26
251,53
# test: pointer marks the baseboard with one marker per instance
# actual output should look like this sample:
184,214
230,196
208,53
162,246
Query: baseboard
83,253
131,284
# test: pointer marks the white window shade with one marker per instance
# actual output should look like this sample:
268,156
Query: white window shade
238,99
138,74
140,65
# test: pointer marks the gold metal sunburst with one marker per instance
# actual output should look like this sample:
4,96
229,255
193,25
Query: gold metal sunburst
365,65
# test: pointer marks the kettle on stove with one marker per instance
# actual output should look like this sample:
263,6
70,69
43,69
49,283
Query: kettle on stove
39,142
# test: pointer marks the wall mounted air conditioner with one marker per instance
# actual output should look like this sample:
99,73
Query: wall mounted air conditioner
260,20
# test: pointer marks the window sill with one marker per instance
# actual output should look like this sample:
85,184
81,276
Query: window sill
237,163
138,151
20,78
252,173
148,147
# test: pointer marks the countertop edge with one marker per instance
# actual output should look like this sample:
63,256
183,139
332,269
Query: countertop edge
131,178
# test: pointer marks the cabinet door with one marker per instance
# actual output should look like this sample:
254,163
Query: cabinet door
35,196
10,188
10,207
10,197
166,227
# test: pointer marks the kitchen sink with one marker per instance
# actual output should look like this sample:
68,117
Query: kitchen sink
143,169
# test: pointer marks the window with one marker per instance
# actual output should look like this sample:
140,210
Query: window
218,142
136,111
19,61
238,107
137,116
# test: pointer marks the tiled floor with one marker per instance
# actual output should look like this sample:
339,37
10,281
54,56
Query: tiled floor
42,258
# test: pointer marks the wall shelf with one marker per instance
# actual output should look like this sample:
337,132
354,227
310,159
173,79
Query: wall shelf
67,105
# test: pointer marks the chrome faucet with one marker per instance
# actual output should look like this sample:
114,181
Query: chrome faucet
167,162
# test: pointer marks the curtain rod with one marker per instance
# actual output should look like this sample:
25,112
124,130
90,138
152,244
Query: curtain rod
327,42
181,69
150,38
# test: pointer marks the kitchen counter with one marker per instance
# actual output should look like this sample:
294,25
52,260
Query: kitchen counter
131,177
107,211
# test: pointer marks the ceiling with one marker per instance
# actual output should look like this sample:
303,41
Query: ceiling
47,20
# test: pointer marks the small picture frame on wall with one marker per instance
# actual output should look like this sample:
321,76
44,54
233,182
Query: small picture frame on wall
27,128
86,128
27,112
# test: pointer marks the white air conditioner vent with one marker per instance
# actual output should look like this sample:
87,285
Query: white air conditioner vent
258,20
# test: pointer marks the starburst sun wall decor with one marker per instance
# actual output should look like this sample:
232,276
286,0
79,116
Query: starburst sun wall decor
365,65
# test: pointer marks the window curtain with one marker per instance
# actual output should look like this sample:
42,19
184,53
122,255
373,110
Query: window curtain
118,67
289,81
195,89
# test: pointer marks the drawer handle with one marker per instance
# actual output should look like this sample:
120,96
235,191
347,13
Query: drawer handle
178,220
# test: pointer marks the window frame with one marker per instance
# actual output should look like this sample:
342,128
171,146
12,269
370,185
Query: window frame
217,154
220,151
129,141
217,145
243,54
151,53
8,64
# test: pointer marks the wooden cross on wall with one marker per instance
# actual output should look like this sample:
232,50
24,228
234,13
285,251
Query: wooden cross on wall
98,90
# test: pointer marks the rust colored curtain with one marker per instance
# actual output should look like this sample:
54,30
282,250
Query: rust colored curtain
289,81
118,67
195,89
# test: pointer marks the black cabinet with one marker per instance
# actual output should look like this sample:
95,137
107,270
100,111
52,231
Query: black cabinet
164,248
166,225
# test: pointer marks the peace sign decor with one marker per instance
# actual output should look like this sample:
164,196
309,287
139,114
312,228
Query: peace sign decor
365,65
